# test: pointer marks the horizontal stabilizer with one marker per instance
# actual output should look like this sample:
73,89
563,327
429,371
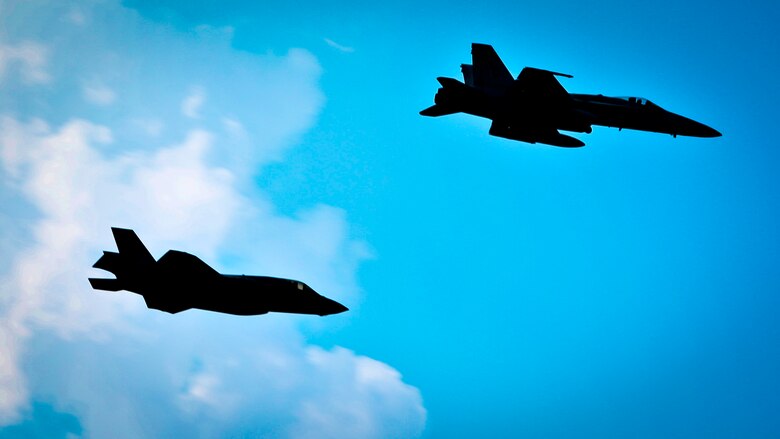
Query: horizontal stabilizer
105,284
449,82
449,93
110,261
438,110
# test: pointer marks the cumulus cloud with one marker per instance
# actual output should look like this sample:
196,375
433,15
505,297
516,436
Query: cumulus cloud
333,412
13,385
166,194
29,57
126,371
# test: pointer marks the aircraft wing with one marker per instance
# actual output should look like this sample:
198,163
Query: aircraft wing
540,82
546,135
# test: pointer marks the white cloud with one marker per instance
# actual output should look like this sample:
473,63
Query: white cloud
192,104
132,372
205,391
337,46
98,94
13,386
359,385
29,57
166,195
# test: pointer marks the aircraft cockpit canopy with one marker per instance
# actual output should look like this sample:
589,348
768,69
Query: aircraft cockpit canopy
637,101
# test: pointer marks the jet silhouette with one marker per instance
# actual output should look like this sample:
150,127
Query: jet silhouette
533,107
180,281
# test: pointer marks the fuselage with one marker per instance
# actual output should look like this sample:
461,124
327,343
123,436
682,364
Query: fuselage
636,114
250,295
180,281
235,294
574,112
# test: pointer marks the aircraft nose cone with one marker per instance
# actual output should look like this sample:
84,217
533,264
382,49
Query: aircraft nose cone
339,308
332,307
697,129
710,132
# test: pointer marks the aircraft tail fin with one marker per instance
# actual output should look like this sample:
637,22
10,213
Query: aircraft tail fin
129,265
161,283
468,74
487,69
130,246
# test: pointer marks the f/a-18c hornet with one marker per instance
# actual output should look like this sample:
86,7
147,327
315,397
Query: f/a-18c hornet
180,281
533,107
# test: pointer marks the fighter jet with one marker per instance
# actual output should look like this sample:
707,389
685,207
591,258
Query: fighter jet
180,281
533,107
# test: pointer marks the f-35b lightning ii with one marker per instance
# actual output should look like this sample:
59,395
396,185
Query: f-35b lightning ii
533,107
180,281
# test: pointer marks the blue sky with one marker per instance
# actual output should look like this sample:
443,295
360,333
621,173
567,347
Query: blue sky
624,289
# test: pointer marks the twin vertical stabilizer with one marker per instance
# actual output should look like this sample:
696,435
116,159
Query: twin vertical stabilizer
130,262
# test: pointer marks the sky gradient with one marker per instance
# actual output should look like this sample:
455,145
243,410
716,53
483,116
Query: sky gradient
496,288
